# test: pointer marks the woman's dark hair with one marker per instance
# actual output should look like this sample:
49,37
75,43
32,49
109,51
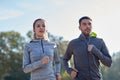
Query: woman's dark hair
84,17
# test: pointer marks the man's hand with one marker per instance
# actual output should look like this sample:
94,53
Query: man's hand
58,77
90,47
74,73
45,60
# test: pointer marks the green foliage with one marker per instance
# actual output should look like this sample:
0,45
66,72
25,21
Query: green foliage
112,73
29,35
11,49
61,44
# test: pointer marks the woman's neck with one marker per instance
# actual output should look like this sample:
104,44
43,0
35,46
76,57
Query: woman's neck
39,37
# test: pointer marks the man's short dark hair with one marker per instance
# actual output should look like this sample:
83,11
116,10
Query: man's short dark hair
84,17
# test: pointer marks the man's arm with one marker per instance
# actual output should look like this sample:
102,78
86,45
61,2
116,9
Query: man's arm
67,57
102,54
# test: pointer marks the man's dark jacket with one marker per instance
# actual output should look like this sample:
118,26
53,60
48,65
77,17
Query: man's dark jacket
87,63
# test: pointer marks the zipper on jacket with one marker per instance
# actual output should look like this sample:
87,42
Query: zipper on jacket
42,46
88,42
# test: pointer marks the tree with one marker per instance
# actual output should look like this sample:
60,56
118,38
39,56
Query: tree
11,49
112,73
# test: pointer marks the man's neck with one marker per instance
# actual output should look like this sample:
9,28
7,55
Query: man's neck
86,36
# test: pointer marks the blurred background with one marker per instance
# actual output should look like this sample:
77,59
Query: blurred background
17,17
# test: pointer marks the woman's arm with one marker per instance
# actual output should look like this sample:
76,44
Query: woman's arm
29,66
57,64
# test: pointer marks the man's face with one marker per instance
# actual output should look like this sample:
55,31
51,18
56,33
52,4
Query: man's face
85,26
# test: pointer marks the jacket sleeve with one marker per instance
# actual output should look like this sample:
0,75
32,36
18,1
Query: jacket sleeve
67,57
103,54
29,66
57,61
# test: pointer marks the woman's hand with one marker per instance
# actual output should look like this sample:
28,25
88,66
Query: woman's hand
58,77
45,60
